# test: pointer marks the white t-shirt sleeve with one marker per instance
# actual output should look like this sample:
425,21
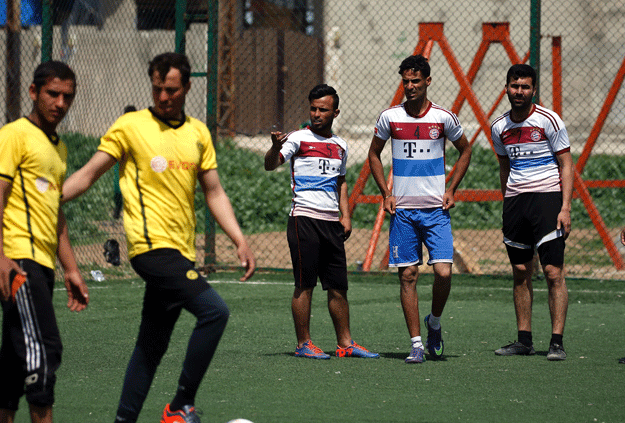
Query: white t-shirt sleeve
453,129
382,128
290,147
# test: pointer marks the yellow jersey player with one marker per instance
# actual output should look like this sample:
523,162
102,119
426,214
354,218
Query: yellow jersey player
32,170
162,153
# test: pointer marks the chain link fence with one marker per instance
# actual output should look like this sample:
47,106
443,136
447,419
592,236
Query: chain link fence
271,52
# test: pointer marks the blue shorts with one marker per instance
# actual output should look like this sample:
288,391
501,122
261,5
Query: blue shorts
411,228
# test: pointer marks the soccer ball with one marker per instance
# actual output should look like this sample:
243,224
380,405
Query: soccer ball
240,421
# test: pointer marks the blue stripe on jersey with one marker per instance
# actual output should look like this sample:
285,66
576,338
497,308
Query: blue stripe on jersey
430,167
315,183
519,164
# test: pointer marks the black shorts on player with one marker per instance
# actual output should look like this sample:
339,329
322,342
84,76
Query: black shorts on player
317,250
31,343
530,222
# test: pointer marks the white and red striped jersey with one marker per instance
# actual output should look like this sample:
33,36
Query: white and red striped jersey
316,163
418,145
532,146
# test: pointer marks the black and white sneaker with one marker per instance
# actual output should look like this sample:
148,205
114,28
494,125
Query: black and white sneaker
556,352
516,348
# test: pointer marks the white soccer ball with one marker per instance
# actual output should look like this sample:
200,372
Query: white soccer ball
240,421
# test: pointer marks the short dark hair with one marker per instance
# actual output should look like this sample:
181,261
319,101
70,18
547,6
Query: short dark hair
416,63
521,71
323,90
52,69
165,61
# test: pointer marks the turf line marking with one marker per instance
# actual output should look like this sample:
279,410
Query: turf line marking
235,282
250,282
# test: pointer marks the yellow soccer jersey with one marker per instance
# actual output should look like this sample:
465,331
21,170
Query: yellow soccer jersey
35,166
159,164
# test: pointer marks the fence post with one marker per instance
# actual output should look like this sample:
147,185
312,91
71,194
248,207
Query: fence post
46,30
181,26
210,255
13,62
535,44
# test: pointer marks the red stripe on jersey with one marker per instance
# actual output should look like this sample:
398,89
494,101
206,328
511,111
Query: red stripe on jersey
523,135
546,114
416,131
565,150
454,117
319,149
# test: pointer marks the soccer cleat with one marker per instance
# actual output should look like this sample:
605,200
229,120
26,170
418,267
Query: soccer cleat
622,360
516,348
186,415
417,355
310,350
434,343
355,350
556,352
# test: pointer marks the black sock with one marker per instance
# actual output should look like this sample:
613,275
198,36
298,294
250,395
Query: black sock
181,399
525,338
556,339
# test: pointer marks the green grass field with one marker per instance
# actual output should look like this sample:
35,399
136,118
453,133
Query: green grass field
254,374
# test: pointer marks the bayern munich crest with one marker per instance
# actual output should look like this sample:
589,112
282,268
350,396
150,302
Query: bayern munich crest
535,134
434,132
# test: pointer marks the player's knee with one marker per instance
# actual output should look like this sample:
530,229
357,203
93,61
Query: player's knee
554,276
408,275
223,313
39,388
442,272
216,316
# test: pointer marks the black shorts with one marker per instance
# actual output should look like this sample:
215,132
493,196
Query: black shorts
170,278
529,222
31,344
317,251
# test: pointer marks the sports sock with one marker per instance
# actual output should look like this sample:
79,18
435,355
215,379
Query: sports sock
416,342
434,322
180,400
556,338
525,338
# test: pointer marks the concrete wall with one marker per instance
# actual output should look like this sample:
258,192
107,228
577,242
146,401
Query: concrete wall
365,40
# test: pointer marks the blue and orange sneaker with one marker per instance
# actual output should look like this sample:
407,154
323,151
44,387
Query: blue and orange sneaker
417,355
355,350
434,343
310,350
188,414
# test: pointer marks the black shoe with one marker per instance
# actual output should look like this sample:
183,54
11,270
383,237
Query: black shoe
556,352
622,360
111,252
516,348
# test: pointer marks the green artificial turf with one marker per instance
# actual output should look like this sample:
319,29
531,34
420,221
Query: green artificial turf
254,374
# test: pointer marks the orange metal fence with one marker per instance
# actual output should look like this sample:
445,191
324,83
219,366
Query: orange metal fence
496,32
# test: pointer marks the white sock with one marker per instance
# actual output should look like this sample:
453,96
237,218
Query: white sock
434,322
416,342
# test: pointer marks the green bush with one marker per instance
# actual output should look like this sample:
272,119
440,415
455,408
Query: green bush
262,199
96,204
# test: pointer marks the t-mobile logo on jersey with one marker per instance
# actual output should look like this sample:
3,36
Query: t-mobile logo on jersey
324,165
410,148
